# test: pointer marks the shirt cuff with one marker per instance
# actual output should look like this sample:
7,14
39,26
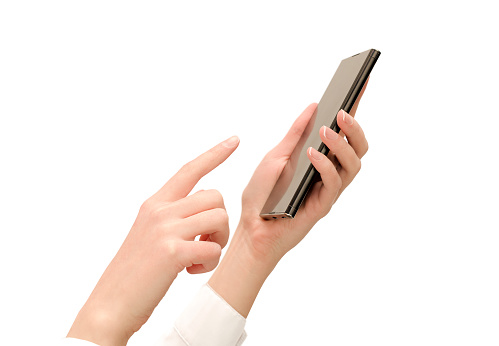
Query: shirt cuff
75,342
210,320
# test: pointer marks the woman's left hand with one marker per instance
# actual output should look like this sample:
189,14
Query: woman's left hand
270,240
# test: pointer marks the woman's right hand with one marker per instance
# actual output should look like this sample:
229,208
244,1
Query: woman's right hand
160,244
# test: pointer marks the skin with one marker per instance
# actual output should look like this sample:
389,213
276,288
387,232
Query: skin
160,244
258,244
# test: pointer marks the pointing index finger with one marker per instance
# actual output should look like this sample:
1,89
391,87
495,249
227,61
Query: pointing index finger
188,176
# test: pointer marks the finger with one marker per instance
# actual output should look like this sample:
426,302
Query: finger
288,143
270,168
214,222
187,177
330,178
356,104
330,155
312,205
344,153
353,132
196,203
201,268
204,237
200,256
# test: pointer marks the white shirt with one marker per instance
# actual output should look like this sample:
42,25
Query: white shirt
208,320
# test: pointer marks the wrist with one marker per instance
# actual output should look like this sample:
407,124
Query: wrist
241,273
246,253
115,309
99,326
261,244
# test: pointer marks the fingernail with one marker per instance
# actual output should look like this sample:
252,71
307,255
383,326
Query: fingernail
347,118
231,142
315,154
330,134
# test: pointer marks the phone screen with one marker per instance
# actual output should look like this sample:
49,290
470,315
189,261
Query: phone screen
282,202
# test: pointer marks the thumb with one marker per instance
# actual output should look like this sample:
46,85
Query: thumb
270,168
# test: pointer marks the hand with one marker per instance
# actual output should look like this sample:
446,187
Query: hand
160,244
258,244
270,240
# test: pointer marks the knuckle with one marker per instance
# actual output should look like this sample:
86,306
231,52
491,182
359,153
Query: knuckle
221,215
171,249
326,210
358,166
187,167
337,181
147,206
216,252
155,211
216,196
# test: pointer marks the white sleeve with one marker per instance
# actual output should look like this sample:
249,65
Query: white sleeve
208,320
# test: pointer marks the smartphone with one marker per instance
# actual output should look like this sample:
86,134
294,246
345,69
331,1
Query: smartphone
299,174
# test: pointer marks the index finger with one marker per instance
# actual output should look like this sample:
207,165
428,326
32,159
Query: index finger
188,176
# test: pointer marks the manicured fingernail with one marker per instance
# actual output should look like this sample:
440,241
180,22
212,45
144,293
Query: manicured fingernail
347,118
315,154
231,142
330,134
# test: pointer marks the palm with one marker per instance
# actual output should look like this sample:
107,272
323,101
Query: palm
278,237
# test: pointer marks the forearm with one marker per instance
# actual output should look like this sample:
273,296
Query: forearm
241,274
113,312
98,326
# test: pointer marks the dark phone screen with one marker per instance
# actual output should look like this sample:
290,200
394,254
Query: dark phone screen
285,190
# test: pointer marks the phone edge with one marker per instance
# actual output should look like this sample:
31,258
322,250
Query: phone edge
312,175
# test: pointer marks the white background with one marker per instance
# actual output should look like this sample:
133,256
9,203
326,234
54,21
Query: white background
101,102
